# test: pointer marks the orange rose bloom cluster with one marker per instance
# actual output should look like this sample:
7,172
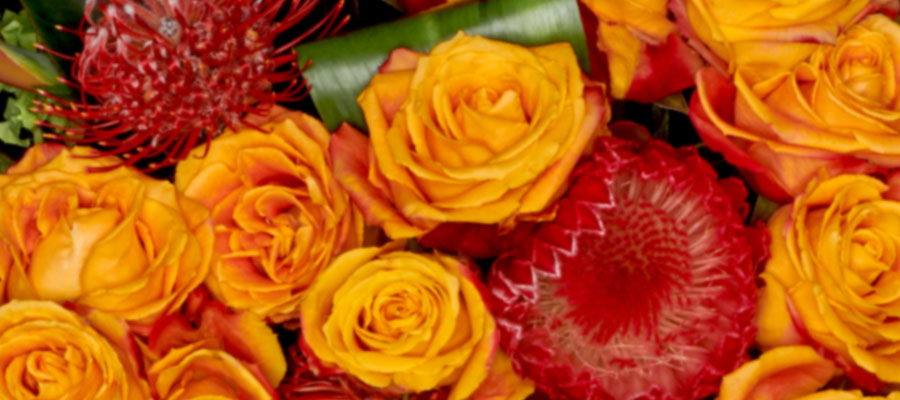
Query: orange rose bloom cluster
359,250
124,253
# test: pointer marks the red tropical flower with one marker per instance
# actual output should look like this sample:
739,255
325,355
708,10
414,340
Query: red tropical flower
642,287
158,76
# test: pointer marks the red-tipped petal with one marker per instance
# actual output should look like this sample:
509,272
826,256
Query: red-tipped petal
350,151
401,59
663,70
720,94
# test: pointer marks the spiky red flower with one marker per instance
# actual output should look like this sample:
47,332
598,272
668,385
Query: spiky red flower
641,288
159,76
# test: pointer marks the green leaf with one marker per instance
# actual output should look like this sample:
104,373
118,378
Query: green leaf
19,126
20,65
342,66
45,15
17,30
26,69
5,163
675,102
763,209
9,134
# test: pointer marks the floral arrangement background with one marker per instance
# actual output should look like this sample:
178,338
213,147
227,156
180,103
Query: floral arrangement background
420,199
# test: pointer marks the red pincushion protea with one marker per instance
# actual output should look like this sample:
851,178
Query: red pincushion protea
641,288
157,76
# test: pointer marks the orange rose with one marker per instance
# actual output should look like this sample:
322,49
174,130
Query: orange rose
279,215
477,131
646,56
117,241
48,352
833,278
768,36
784,373
207,352
836,110
788,373
402,321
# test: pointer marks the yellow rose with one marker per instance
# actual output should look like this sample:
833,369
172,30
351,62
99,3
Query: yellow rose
646,57
400,320
278,213
477,131
117,241
836,110
48,352
834,274
768,36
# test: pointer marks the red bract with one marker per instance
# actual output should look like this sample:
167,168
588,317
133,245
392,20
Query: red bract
641,288
158,76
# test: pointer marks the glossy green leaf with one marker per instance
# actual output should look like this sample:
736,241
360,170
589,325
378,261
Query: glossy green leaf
20,65
26,69
342,66
45,15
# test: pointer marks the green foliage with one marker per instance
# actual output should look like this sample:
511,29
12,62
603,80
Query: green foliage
45,15
16,30
763,209
342,66
19,127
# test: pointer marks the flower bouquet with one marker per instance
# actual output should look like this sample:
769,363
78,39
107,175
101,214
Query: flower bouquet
448,200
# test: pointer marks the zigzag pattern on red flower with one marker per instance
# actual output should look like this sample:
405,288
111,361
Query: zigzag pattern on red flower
642,287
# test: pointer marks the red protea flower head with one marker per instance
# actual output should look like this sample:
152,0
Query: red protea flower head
643,285
157,76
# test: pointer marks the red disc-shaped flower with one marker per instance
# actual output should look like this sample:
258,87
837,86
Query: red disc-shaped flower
642,287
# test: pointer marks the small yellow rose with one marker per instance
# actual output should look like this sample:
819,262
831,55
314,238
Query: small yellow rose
117,241
476,131
48,352
401,320
834,274
278,213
